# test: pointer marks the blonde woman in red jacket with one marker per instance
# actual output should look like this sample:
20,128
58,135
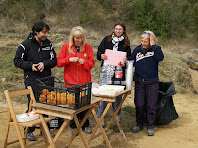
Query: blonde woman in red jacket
77,58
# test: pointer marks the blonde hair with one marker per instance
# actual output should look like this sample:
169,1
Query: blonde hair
77,31
147,33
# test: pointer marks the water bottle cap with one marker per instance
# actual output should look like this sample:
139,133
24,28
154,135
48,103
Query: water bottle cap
105,63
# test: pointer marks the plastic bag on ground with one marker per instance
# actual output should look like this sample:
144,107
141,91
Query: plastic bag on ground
166,111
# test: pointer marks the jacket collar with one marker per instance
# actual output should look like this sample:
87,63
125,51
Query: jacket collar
43,44
74,48
145,50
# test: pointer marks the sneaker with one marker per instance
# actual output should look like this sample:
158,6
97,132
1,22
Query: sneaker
103,123
136,129
87,130
150,132
52,134
31,137
73,131
118,118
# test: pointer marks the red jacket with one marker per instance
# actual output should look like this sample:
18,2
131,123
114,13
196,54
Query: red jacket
76,73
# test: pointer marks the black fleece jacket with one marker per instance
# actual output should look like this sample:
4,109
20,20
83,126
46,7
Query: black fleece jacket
30,52
106,44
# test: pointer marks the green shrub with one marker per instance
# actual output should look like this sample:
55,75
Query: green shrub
107,4
88,15
163,24
146,16
195,18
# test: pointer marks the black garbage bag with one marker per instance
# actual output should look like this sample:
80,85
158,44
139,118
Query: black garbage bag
165,112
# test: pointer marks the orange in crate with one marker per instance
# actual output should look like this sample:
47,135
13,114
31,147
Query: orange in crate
58,98
82,94
45,92
49,101
70,100
50,98
42,98
54,100
63,98
53,93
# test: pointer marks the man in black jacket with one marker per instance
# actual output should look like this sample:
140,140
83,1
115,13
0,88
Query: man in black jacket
36,57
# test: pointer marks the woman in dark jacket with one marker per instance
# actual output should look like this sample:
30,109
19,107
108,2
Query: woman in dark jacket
146,57
116,41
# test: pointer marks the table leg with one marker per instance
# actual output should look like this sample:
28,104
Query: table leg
79,128
99,122
118,124
118,108
44,135
114,117
52,145
101,128
61,130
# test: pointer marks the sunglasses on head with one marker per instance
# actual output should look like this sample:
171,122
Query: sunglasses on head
146,33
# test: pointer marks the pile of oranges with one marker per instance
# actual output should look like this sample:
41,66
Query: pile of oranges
68,99
57,98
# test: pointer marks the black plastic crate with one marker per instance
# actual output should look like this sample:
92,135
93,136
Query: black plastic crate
50,90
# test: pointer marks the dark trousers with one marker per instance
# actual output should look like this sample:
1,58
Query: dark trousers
146,96
80,117
32,129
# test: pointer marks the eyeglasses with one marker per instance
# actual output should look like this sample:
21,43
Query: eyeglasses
120,29
146,33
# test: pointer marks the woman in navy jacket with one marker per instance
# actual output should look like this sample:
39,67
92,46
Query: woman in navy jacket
146,57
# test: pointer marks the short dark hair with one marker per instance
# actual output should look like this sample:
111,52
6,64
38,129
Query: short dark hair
39,27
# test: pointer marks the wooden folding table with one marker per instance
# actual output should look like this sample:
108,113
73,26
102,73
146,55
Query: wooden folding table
109,100
67,114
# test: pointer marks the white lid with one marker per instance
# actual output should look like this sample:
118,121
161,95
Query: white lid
106,64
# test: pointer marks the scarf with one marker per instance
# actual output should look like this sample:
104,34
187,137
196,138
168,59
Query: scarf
115,41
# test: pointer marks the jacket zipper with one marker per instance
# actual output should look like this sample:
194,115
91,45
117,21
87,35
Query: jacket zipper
77,69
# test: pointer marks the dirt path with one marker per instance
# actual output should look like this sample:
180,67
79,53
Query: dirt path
181,133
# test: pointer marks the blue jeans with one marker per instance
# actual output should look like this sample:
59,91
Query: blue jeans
103,105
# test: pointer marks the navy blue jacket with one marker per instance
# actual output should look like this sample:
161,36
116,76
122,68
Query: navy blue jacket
146,64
